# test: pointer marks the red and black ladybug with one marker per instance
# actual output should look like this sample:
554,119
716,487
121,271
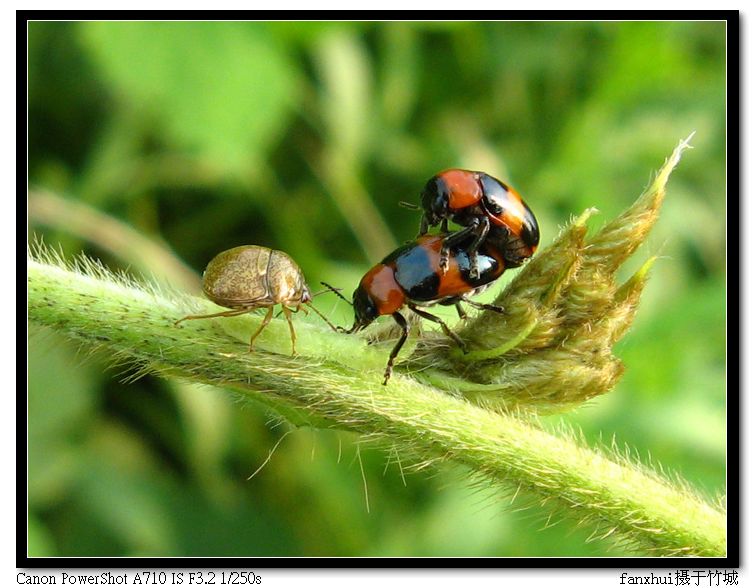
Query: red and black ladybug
412,276
487,208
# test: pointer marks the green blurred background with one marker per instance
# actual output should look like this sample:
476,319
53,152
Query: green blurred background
154,146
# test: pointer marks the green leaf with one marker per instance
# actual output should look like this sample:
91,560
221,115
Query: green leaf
40,542
221,89
60,404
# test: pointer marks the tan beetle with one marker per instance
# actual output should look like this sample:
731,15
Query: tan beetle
249,277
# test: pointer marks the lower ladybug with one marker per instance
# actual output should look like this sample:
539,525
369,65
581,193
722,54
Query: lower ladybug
487,208
412,276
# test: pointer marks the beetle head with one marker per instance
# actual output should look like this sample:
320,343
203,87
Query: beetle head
435,200
306,295
365,310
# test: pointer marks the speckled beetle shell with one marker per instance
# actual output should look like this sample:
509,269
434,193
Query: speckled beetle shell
252,277
249,277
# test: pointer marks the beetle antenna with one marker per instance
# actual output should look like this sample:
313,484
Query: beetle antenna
329,289
337,292
409,205
337,329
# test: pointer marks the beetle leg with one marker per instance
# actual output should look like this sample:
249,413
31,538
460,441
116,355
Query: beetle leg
287,312
480,228
450,241
444,225
423,226
482,232
481,306
265,322
399,318
233,312
443,325
444,254
460,311
458,236
295,309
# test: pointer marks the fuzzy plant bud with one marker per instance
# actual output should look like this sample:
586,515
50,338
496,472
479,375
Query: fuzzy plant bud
564,311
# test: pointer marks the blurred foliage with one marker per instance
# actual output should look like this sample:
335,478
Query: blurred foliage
304,137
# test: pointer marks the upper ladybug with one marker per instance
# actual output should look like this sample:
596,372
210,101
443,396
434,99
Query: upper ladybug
486,207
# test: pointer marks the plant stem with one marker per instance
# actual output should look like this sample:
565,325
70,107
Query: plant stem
336,382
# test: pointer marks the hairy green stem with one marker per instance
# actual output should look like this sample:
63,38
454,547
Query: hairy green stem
336,382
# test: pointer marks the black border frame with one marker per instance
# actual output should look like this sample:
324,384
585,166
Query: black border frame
734,302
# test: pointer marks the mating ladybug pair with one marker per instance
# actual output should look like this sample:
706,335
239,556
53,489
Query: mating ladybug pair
500,232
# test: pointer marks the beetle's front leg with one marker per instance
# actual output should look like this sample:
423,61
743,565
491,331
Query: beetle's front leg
458,237
423,226
444,255
482,232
